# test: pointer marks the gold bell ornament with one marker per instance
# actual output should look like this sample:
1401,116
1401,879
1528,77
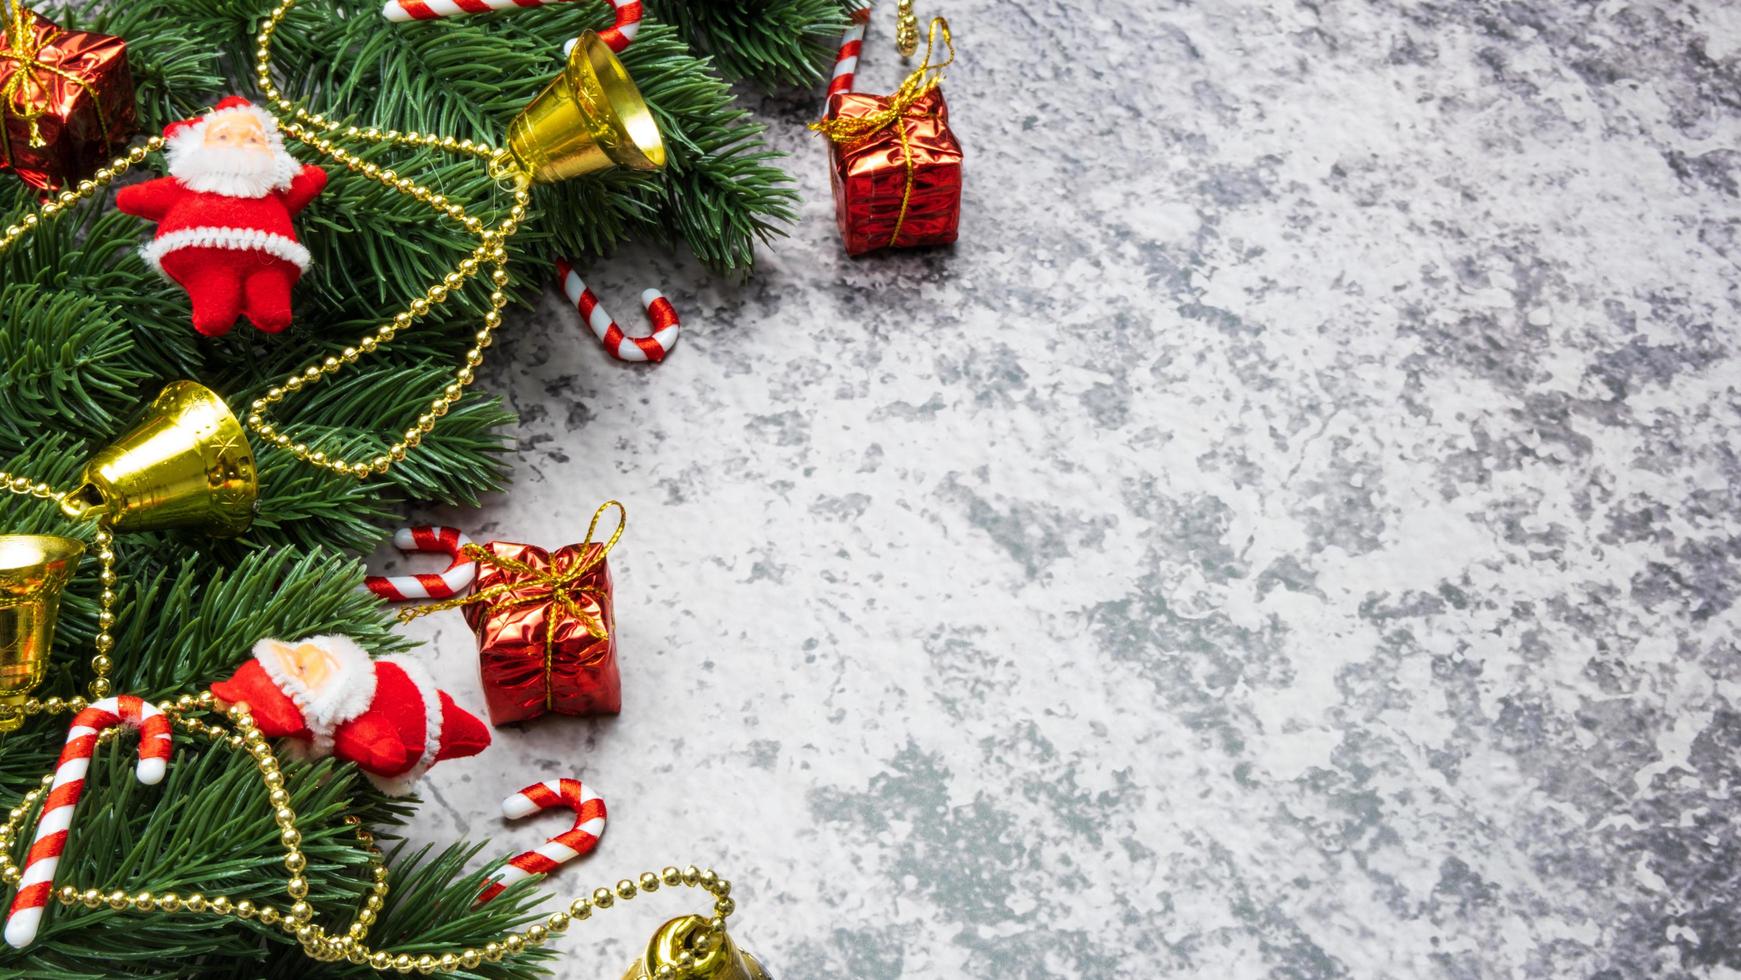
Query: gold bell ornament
34,569
589,118
187,465
709,954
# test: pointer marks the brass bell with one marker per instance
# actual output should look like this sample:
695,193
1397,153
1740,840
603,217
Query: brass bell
713,955
34,568
590,118
187,465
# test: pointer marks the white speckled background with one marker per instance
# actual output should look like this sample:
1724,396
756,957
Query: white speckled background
1295,533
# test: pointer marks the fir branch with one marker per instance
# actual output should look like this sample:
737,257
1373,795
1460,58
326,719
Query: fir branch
432,909
771,42
63,354
175,72
202,623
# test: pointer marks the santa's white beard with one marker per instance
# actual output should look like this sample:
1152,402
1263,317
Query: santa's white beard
227,171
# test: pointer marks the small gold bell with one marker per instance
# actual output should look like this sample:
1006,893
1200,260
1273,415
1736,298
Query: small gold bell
187,465
590,118
34,568
711,955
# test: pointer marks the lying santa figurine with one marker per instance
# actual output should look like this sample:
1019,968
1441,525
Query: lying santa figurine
326,695
223,216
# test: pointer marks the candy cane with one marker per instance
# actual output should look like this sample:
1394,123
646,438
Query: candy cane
622,347
37,883
846,62
617,36
589,823
456,578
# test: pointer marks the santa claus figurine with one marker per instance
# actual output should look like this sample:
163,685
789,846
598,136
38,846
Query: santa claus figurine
223,216
329,698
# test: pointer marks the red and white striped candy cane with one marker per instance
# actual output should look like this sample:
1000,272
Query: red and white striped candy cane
617,36
846,61
453,580
621,346
551,794
37,883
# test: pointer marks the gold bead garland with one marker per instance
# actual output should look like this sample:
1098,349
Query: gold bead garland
906,29
308,127
296,919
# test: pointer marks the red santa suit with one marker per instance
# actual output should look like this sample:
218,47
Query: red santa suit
326,695
227,238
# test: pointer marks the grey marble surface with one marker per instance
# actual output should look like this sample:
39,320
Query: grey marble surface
1294,534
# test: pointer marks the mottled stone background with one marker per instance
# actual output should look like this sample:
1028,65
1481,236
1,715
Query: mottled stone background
1295,533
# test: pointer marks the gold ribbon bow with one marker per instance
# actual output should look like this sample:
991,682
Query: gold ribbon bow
22,46
554,586
919,84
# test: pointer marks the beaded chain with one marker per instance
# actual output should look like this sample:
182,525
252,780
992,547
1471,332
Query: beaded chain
297,919
308,128
101,662
906,29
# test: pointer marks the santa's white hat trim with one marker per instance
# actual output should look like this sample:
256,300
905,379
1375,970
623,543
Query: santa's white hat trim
239,239
346,694
432,728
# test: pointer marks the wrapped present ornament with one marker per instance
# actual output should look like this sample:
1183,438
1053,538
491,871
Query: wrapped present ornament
546,630
896,166
66,100
547,639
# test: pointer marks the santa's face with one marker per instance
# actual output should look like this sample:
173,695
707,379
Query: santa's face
237,132
306,662
233,152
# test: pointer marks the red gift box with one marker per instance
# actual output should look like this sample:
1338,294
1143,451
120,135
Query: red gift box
66,102
900,186
546,631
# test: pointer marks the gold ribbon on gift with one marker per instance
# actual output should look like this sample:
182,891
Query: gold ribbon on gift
22,46
919,84
554,586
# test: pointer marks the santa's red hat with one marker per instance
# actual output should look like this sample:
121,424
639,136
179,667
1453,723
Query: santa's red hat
230,103
385,715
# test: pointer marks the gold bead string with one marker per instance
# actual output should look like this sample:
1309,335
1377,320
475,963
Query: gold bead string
309,127
906,29
296,918
104,176
101,663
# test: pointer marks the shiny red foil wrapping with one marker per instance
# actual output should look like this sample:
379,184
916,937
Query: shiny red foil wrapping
577,674
870,177
87,118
